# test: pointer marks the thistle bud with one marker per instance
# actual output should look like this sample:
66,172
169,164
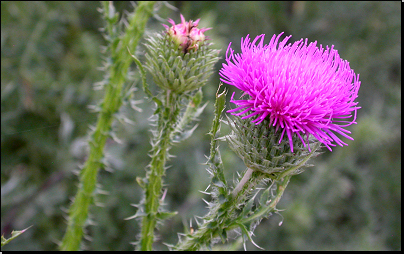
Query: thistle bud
180,59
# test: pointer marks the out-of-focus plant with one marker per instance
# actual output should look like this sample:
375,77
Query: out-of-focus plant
116,69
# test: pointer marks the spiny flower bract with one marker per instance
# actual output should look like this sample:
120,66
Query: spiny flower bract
301,88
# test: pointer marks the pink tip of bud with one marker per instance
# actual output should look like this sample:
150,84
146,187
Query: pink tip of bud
186,34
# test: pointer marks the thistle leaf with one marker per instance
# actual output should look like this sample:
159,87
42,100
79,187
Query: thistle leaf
14,234
264,197
166,215
247,208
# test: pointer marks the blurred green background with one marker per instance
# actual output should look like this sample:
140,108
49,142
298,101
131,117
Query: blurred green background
50,54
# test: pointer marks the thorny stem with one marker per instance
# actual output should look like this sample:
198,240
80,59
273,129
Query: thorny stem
205,234
112,101
166,122
242,182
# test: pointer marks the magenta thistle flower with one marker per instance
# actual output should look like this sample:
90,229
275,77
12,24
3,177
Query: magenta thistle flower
301,88
186,34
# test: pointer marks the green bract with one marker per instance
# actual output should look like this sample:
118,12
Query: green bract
174,70
258,146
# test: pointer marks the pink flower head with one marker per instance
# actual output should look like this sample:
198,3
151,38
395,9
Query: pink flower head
299,87
186,34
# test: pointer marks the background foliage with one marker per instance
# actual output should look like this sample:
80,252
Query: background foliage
50,52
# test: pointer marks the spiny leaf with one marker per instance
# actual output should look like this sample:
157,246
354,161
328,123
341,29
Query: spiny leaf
166,215
247,208
14,234
141,182
264,197
247,233
216,182
184,135
138,214
223,235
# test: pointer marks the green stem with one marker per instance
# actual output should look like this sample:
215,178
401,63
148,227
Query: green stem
242,182
78,211
205,234
162,143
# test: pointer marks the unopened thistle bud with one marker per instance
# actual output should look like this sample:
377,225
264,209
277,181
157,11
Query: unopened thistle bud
186,35
180,59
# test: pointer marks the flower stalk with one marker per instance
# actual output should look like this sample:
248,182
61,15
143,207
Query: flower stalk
114,80
162,140
231,219
180,61
242,182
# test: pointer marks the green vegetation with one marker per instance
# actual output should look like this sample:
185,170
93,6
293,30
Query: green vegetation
51,54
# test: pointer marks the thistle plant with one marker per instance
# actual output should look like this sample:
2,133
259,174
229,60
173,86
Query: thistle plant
295,98
298,89
180,60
